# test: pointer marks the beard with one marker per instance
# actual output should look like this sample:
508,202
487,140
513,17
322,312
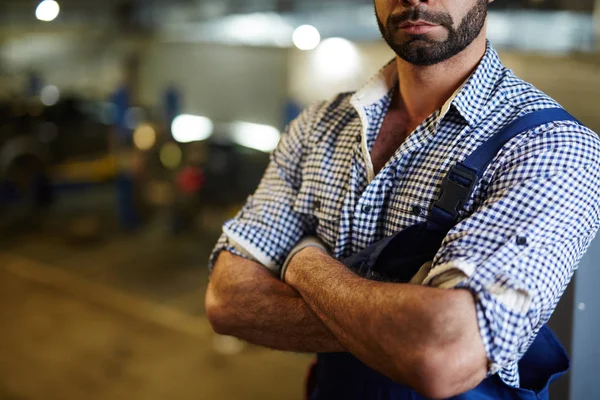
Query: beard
421,50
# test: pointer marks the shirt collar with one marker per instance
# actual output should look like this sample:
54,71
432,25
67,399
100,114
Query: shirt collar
377,87
470,100
473,100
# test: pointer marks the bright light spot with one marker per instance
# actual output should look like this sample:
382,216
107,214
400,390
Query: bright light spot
50,95
191,128
170,156
133,117
337,59
144,137
255,136
306,37
253,29
47,10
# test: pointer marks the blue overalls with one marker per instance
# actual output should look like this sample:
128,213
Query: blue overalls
397,258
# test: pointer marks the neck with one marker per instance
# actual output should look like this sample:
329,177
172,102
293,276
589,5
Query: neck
425,89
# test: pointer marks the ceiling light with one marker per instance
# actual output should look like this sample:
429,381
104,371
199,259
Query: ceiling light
47,10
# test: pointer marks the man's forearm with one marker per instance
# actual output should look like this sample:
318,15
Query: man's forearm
246,301
416,335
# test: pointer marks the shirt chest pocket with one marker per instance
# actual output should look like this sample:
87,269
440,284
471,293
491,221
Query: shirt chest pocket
325,181
324,203
321,195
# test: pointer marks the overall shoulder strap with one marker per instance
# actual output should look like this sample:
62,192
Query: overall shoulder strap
462,178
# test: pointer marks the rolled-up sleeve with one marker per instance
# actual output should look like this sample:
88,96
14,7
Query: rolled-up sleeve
267,227
519,249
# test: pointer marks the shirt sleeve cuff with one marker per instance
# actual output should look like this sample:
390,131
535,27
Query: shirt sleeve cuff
225,243
489,298
450,274
309,241
250,251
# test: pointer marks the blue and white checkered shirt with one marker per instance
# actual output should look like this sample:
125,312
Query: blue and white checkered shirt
521,235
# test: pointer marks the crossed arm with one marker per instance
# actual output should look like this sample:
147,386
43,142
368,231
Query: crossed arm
427,338
424,337
246,301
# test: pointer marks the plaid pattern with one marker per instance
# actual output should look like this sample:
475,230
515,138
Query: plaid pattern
522,233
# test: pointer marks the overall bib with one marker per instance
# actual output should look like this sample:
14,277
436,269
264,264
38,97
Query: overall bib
397,258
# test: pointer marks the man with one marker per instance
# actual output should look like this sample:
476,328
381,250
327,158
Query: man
366,165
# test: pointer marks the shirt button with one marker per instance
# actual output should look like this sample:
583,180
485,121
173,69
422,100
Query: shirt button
317,205
358,138
366,208
521,240
417,210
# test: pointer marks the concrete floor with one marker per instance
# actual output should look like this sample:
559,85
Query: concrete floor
121,317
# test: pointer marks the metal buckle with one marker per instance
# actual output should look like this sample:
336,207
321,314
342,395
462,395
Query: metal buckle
457,187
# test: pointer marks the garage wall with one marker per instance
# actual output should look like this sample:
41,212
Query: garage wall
250,83
307,84
74,61
574,81
221,82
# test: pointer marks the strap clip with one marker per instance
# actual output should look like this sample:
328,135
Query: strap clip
457,187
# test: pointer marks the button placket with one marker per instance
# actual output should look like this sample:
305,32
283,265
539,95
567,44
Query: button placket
373,197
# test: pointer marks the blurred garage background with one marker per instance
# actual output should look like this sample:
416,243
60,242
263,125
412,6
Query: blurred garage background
130,130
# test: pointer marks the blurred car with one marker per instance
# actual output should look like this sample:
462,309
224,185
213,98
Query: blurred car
45,147
201,183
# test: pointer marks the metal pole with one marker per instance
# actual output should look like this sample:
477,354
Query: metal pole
596,15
